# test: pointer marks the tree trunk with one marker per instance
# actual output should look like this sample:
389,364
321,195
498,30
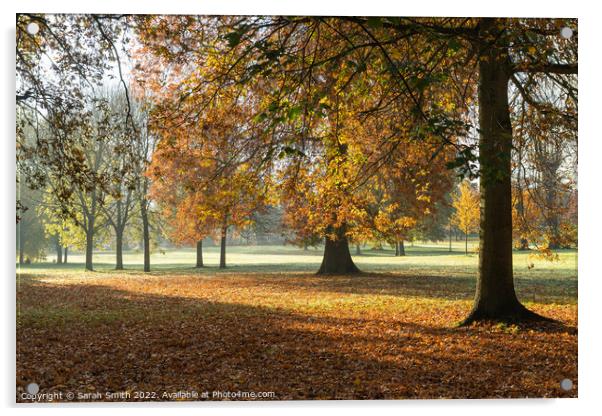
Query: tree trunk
90,222
145,234
466,243
65,256
549,173
199,253
119,249
222,250
337,258
402,248
450,237
396,248
21,250
495,297
358,250
553,233
89,248
59,252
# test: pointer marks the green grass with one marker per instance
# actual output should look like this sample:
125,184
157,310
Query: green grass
426,260
432,258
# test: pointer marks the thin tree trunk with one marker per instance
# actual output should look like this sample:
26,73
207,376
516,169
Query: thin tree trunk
495,297
222,250
21,248
337,258
553,238
145,234
199,253
89,248
450,237
465,243
119,249
402,248
59,252
396,248
65,256
520,206
358,250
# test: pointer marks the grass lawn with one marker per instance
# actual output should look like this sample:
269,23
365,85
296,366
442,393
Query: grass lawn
268,324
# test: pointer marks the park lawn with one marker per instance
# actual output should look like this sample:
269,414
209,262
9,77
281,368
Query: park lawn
271,325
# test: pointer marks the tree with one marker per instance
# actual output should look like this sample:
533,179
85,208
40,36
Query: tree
119,205
73,198
208,173
143,148
59,227
409,191
31,239
415,56
544,164
466,214
308,123
61,106
58,93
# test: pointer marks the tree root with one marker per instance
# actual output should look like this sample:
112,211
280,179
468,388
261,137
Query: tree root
515,315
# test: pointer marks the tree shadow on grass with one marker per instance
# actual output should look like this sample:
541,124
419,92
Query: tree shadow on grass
540,290
83,337
451,284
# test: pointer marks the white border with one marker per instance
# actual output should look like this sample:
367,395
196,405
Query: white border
590,153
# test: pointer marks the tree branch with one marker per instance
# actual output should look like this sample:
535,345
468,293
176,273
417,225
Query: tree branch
546,68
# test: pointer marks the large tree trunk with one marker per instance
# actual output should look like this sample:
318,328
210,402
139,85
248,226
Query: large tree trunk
495,297
199,253
337,258
145,234
222,250
89,248
119,249
59,252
